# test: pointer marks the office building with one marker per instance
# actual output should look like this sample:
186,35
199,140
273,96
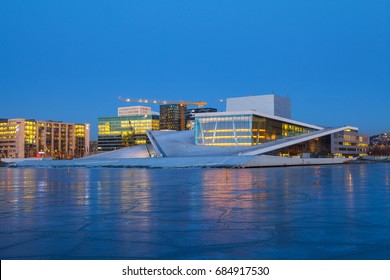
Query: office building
126,130
23,138
173,117
350,142
269,104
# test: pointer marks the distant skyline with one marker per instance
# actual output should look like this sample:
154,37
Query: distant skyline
70,60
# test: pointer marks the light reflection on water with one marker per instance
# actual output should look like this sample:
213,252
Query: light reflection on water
171,212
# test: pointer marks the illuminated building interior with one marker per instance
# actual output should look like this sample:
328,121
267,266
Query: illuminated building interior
349,142
190,115
125,131
250,128
173,117
319,147
20,138
242,129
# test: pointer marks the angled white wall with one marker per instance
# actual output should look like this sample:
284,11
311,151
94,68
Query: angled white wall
270,104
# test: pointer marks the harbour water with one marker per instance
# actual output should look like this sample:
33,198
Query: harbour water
304,212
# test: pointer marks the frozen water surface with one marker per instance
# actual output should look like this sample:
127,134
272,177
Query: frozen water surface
306,212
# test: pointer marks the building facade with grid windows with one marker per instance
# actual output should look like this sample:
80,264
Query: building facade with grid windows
125,131
27,138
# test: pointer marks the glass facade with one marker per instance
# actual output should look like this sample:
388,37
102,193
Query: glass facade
243,130
318,147
224,130
190,116
119,132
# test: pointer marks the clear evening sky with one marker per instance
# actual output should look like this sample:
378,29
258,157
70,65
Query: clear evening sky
70,60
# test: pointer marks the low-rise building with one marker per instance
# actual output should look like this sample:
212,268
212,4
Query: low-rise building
126,130
25,138
349,142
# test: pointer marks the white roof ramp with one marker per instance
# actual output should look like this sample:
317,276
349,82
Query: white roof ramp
155,144
286,142
182,144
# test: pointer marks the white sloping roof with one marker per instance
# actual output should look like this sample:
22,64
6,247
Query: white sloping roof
286,142
182,144
139,151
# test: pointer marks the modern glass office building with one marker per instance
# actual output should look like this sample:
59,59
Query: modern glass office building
119,132
245,128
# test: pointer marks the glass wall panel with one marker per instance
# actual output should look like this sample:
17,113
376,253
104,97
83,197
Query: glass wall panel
243,130
223,131
319,147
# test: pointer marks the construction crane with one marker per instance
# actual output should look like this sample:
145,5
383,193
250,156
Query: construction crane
163,102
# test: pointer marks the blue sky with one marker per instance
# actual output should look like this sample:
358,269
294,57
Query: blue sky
70,60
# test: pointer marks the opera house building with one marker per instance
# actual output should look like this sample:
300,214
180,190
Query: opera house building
254,131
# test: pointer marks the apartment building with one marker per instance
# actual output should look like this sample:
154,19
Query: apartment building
25,138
